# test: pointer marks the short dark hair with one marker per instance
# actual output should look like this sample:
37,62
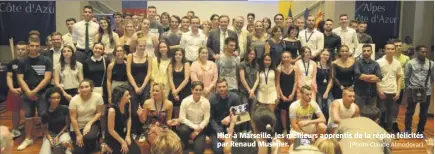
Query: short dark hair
127,14
397,41
342,15
370,112
279,14
367,45
34,40
363,22
176,17
250,14
71,19
88,7
195,17
213,15
230,39
420,47
197,83
224,16
191,12
221,80
117,14
185,17
275,29
353,21
34,32
56,33
329,20
152,7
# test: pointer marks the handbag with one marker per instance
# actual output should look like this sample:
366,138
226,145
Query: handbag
100,89
419,94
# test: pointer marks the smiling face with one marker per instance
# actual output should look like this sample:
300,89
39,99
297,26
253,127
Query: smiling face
223,22
259,27
104,24
194,24
54,100
56,41
98,50
251,55
267,61
279,20
85,88
285,57
324,55
203,54
178,56
163,49
119,53
197,91
145,25
157,92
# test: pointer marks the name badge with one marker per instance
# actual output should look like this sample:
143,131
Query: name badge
324,81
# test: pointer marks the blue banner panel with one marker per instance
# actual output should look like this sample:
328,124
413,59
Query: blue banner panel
383,19
17,18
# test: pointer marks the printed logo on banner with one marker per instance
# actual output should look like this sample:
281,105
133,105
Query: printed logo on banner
20,17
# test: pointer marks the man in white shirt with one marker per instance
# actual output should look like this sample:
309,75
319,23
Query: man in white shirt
311,37
192,40
242,34
348,35
185,24
84,31
389,87
342,109
301,114
67,38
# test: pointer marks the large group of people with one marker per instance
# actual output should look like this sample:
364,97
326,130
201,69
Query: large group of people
171,82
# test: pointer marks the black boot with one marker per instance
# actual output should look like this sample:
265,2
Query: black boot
396,128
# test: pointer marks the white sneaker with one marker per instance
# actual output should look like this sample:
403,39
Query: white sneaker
25,144
142,138
15,133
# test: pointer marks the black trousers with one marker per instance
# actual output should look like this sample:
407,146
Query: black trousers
136,101
410,110
116,147
184,132
89,140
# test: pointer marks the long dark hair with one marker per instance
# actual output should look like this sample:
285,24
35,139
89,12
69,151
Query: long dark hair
263,67
159,55
254,61
109,31
73,60
44,116
118,93
183,57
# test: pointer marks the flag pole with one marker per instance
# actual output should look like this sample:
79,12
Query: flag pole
11,45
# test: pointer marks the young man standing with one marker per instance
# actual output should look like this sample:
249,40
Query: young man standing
119,25
332,41
33,76
343,109
193,40
220,105
403,59
67,38
301,114
363,37
216,39
228,64
418,72
347,34
311,37
367,74
389,87
173,36
56,50
83,33
14,99
155,26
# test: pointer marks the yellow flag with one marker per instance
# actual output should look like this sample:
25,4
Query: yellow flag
319,17
285,7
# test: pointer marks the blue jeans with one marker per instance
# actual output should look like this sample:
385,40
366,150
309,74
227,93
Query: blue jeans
324,104
214,143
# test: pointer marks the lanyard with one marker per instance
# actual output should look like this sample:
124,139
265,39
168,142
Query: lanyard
157,109
266,75
306,68
323,71
308,38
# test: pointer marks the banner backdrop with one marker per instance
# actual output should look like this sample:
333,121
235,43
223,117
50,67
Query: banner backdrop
383,19
18,18
134,7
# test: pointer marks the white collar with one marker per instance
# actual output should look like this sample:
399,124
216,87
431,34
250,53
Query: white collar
60,49
96,60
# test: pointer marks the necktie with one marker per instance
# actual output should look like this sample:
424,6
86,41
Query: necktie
87,38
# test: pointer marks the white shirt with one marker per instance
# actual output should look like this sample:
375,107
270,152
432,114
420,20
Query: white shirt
191,42
343,112
243,39
109,48
67,40
223,36
78,33
314,40
348,37
390,73
56,55
193,113
86,109
70,78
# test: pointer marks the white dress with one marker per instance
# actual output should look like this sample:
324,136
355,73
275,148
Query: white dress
266,89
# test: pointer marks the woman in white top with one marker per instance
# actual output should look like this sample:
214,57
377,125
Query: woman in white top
68,74
306,71
267,89
194,117
106,36
85,110
144,32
